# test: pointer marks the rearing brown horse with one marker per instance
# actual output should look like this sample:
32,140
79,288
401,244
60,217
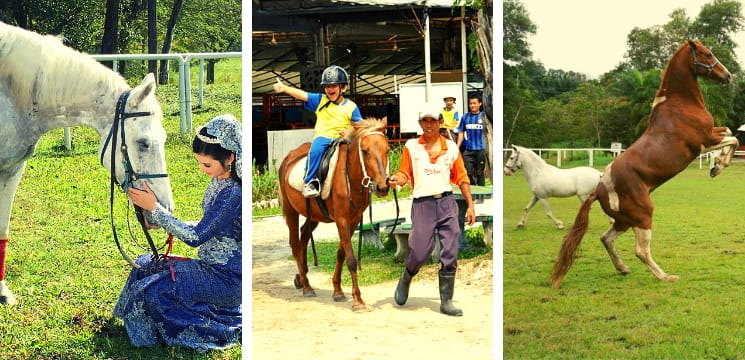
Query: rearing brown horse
362,165
679,129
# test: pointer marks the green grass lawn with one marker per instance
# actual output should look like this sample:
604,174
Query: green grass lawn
600,314
62,263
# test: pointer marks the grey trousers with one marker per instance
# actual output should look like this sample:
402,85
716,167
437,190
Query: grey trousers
430,215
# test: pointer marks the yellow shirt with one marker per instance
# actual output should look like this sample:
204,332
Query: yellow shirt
450,118
331,118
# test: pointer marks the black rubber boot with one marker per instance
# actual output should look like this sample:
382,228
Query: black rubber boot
447,283
402,290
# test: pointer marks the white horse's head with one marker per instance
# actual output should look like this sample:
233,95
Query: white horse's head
137,128
513,163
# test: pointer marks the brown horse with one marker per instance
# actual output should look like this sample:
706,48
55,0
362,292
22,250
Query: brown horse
361,167
679,129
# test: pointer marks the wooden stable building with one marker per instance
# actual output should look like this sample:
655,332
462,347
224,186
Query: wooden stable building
381,44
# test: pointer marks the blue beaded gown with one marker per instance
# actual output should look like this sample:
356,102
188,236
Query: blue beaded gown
201,309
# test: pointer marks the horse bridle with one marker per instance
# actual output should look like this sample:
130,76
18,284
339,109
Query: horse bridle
366,179
370,186
514,166
704,65
129,174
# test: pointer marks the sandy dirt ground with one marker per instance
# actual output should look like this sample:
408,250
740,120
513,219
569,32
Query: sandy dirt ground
286,325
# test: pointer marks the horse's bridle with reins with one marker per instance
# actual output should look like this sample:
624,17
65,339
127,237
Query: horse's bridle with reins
117,133
696,63
368,184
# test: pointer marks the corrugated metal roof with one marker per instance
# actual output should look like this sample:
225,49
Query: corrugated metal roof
382,38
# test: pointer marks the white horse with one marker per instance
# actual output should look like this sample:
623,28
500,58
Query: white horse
547,181
45,85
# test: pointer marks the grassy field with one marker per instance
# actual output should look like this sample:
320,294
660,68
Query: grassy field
600,314
63,265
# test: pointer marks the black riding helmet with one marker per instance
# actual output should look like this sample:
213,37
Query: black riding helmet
334,75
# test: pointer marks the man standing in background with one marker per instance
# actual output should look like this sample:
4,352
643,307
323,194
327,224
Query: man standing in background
471,135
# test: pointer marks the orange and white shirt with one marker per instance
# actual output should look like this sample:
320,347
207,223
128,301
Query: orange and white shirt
432,175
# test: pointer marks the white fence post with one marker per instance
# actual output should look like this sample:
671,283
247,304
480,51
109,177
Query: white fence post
201,82
184,76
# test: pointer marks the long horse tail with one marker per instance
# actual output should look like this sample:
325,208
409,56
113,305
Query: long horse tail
572,241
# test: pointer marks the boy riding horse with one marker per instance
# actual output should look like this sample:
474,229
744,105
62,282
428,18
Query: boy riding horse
334,114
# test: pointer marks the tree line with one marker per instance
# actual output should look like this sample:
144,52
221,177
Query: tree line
133,26
557,108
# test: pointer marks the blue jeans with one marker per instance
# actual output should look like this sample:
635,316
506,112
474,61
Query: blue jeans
317,148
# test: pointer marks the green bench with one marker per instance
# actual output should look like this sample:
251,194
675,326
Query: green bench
401,233
487,222
370,231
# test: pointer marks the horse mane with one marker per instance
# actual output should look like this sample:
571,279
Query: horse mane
529,152
368,125
39,70
663,81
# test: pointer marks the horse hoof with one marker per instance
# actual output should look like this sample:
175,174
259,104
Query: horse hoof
309,293
6,296
671,278
520,226
714,171
8,300
340,298
360,308
297,283
560,227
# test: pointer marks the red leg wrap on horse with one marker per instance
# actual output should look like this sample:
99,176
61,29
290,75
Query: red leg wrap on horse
3,244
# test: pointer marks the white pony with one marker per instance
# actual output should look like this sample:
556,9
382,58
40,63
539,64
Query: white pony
45,85
547,181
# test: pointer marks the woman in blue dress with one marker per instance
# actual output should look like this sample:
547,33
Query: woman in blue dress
200,305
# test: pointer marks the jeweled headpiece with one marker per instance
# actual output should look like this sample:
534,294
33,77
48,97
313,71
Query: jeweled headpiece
226,131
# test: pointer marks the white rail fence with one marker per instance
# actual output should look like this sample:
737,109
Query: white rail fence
562,153
184,83
707,157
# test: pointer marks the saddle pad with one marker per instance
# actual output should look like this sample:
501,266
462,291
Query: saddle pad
297,175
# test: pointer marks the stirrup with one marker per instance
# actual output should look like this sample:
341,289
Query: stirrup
311,189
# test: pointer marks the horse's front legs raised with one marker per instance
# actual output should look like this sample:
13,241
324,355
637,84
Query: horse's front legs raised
727,143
